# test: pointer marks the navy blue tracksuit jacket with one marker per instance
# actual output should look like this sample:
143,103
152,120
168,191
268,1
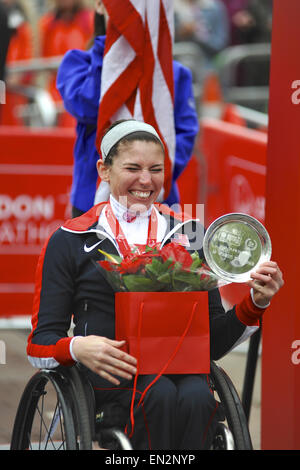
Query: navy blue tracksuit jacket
69,286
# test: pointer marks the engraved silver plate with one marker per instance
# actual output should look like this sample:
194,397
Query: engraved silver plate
234,245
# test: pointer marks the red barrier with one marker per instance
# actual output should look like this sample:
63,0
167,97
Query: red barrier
191,182
236,177
281,328
35,180
236,169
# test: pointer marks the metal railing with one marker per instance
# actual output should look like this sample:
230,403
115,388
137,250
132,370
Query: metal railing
40,110
229,63
41,64
253,118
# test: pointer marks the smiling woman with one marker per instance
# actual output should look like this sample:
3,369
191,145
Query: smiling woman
70,287
132,163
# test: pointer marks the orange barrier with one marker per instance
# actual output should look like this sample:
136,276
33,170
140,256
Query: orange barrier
35,180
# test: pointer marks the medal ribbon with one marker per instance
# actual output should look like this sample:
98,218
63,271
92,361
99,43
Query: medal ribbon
123,244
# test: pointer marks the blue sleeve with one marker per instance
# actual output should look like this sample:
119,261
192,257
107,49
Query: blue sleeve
186,118
79,81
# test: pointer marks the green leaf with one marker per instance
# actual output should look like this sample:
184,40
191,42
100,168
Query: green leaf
165,278
149,249
156,268
114,279
188,278
136,283
168,263
195,264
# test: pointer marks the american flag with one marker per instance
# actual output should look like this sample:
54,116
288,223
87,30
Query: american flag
137,73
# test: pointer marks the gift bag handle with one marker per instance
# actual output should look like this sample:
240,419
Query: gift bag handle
165,366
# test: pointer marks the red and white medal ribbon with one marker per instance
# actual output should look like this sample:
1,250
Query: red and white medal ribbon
118,233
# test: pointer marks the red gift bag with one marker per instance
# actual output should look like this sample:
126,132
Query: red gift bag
168,332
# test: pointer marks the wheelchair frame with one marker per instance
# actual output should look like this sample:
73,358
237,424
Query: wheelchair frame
74,414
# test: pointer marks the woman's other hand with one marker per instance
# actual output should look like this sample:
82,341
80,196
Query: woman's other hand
266,282
104,357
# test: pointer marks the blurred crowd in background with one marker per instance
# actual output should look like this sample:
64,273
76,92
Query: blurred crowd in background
48,28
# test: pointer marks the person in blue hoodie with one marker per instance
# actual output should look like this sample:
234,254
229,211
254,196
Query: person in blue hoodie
79,82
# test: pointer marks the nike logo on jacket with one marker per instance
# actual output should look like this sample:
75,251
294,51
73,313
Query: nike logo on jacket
87,249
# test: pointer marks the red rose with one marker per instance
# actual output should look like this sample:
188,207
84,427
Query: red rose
130,265
177,253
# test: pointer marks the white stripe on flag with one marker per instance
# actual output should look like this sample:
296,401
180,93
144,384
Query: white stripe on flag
161,97
169,10
115,62
139,5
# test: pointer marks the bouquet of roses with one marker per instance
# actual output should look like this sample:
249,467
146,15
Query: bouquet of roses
170,269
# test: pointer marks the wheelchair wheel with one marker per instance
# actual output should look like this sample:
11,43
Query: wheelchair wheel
236,435
53,413
110,422
113,439
223,439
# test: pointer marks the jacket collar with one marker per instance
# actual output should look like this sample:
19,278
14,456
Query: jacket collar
89,222
85,222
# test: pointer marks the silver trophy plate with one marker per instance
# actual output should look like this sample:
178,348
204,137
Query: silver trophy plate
234,245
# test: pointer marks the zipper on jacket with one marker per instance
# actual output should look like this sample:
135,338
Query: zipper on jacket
85,309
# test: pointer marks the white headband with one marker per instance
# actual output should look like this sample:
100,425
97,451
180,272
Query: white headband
121,130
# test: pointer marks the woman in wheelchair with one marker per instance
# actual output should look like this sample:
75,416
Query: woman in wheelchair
178,411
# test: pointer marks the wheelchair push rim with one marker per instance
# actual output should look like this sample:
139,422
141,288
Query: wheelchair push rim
46,418
233,409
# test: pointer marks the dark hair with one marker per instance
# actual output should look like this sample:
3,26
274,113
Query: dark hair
138,135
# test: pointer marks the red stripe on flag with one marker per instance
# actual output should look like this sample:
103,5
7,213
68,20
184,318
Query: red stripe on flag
112,36
127,21
164,50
